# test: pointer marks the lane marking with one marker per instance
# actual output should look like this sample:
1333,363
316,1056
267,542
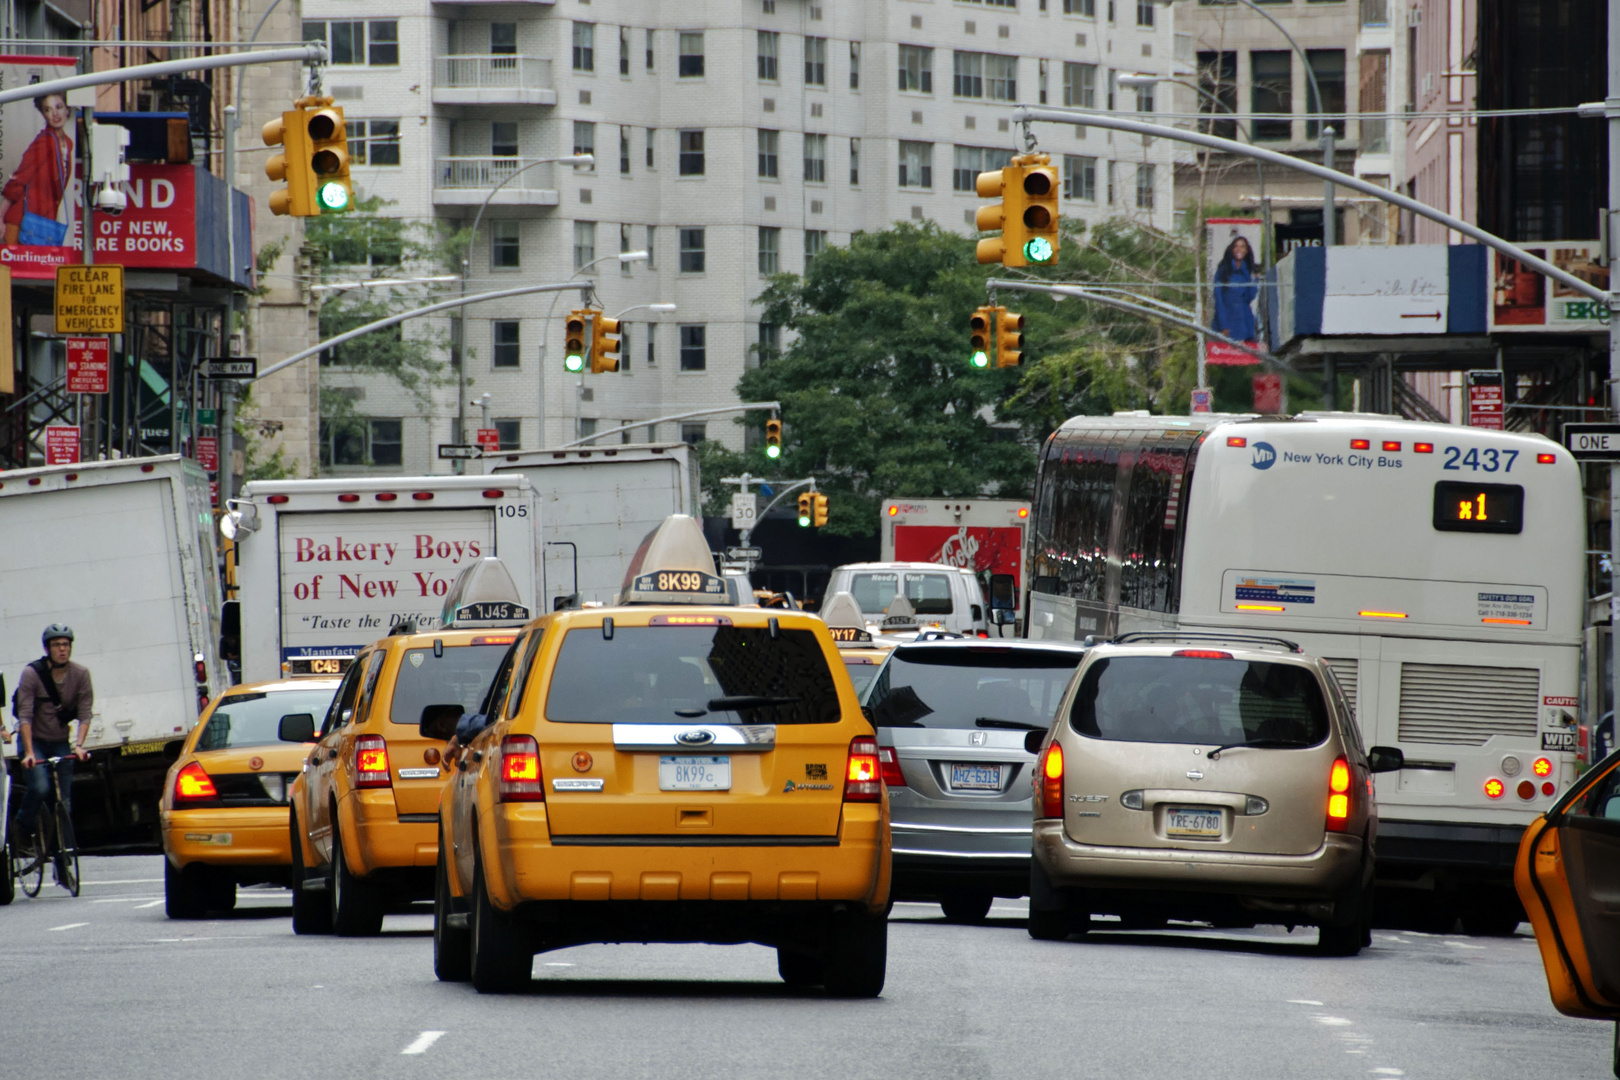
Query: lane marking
1386,1071
551,963
128,881
153,904
1332,1021
423,1041
1304,1001
119,900
1463,945
67,926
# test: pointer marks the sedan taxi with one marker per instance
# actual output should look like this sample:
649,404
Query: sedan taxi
672,768
223,814
861,652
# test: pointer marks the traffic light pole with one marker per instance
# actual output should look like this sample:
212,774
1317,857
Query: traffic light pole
745,479
313,53
746,407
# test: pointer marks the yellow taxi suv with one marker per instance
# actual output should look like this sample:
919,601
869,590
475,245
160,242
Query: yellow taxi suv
223,814
861,652
1568,877
672,768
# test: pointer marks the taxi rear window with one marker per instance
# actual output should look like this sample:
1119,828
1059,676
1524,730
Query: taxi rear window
255,719
671,674
1171,699
461,676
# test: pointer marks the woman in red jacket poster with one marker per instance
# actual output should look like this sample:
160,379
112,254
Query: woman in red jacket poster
31,200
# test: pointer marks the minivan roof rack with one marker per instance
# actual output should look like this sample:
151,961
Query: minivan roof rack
1196,635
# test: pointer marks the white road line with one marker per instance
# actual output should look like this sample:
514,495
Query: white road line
118,900
68,926
154,903
127,881
552,963
1386,1071
423,1041
1304,1001
1332,1021
1463,945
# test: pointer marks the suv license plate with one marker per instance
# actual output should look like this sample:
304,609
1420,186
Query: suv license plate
1184,821
975,777
705,773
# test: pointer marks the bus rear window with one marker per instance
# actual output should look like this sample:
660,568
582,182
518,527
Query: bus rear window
1172,699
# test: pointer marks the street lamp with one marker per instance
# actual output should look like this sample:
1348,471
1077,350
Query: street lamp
663,308
623,257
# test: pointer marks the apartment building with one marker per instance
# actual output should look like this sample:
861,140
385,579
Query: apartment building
733,139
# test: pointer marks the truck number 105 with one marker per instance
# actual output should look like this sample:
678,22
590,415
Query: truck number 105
512,510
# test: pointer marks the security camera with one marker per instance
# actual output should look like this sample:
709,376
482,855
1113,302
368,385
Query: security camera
110,200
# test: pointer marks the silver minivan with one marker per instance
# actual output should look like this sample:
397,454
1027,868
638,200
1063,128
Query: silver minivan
958,722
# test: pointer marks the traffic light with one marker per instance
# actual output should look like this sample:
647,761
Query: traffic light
807,504
329,156
314,160
1040,210
1026,217
819,516
1009,339
576,345
604,344
291,165
995,218
773,438
980,327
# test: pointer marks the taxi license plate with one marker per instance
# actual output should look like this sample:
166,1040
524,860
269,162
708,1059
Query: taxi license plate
1187,821
975,777
703,773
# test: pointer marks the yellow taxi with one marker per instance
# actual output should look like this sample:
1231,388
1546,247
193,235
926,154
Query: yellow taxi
223,814
672,768
861,652
365,810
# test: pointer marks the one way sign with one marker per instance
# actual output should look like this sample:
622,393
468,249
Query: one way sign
1593,442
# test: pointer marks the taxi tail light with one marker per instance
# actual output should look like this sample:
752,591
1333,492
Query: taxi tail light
1338,814
193,784
893,775
863,777
371,762
1051,781
520,770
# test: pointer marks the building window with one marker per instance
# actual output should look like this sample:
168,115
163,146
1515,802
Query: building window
584,138
585,428
1374,99
769,141
382,50
584,244
1112,176
1328,66
1144,187
1144,12
694,351
692,251
503,41
624,151
649,50
505,334
1001,77
347,40
503,138
1271,72
624,50
765,56
854,65
854,162
917,164
970,161
457,340
815,159
690,62
652,352
917,69
624,246
652,250
1040,85
692,434
1080,85
584,46
1087,8
624,348
1080,178
770,342
815,61
373,142
1217,81
360,440
815,242
511,433
967,74
770,241
1144,99
504,245
691,159
652,137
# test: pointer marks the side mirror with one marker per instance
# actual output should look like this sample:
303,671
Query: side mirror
1003,617
297,727
1385,759
439,722
1033,740
1003,593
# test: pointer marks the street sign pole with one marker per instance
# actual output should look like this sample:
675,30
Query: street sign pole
1612,108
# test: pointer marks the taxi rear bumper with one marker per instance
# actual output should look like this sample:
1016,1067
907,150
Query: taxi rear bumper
376,837
234,837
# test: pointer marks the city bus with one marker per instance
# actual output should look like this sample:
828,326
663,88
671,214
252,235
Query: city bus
1438,569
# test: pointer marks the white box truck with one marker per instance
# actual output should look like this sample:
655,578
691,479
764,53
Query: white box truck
982,536
324,567
123,552
597,503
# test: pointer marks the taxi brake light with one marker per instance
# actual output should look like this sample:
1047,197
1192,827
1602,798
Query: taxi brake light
1361,444
1542,767
892,773
193,784
1390,446
1338,815
1546,459
348,498
1423,447
421,496
497,639
1203,654
386,496
863,777
371,762
520,770
1236,440
1051,781
1494,788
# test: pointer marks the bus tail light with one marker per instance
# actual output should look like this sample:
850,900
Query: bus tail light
1361,444
371,762
1546,459
863,776
1051,781
1542,766
1548,788
1494,788
193,785
1236,440
1423,447
200,666
1338,815
1527,789
893,775
520,770
1391,446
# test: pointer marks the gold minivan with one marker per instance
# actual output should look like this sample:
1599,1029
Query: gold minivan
1207,777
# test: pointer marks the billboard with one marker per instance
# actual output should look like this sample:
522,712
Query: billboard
1523,300
1235,273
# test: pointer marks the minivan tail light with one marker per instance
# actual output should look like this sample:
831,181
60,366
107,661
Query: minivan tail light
193,784
863,777
1338,815
371,762
890,762
520,770
1051,781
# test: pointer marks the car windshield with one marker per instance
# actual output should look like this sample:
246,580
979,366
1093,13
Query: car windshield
461,676
255,719
1211,702
929,594
671,674
958,687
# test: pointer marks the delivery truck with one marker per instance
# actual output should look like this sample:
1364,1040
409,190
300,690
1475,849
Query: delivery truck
123,552
983,536
324,567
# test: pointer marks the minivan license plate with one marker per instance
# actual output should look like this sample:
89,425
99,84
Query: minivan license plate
701,773
975,777
1185,821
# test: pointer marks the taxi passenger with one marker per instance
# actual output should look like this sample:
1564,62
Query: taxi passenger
673,768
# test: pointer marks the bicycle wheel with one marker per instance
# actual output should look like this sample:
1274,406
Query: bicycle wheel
67,852
31,870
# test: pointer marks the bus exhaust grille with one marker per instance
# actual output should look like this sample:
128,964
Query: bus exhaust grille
1466,705
1346,671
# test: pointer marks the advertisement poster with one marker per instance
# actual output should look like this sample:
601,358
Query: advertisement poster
1522,299
983,549
39,183
1233,245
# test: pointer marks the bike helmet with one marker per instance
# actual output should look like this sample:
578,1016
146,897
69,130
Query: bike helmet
53,631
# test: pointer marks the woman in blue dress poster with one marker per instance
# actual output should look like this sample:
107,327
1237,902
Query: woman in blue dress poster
1237,283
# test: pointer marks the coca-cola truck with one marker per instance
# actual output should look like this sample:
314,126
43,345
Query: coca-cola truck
984,536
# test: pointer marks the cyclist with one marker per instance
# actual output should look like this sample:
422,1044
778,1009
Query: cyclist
53,692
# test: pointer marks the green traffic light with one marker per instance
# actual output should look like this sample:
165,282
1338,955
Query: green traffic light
574,362
1038,250
804,521
773,451
980,359
334,196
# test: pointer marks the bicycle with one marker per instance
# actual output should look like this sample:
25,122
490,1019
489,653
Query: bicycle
48,830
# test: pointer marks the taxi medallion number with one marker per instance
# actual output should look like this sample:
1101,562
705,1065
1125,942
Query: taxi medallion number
694,773
1192,821
849,633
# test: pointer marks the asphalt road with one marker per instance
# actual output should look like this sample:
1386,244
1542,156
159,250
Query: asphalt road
106,986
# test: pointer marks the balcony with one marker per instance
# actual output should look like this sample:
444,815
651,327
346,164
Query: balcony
467,181
492,80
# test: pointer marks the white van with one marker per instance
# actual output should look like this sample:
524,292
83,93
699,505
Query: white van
948,596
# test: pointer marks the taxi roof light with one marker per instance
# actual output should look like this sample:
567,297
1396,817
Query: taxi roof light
371,762
520,770
863,776
674,565
483,595
193,784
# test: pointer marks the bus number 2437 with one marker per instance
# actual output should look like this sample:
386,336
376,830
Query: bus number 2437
1477,460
